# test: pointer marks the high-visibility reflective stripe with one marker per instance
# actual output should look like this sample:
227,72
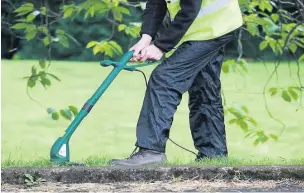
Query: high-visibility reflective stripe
219,4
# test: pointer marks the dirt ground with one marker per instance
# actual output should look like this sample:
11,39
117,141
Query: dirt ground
169,186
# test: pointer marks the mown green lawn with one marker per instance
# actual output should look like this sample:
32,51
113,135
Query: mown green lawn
109,130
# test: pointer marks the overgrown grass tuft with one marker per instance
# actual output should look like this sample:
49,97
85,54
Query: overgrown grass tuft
103,161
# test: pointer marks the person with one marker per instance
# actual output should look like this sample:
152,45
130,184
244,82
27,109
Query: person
192,47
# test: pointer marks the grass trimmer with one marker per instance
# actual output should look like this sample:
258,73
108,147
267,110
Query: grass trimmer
60,151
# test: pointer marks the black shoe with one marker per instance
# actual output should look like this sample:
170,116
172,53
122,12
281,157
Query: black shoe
201,157
142,157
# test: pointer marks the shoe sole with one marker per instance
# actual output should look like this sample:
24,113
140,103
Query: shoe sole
134,165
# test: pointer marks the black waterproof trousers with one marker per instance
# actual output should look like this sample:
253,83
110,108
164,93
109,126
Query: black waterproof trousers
195,68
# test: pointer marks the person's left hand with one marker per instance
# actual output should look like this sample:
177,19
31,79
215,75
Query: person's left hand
151,52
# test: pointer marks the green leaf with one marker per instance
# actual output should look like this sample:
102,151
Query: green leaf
262,5
64,41
73,109
275,17
293,94
293,47
300,44
21,20
22,13
243,67
117,14
24,9
273,45
240,109
30,27
30,17
301,58
226,65
26,77
133,31
289,26
232,121
96,49
243,2
30,35
263,45
245,109
92,11
256,142
250,119
46,41
60,32
243,125
301,28
91,44
269,6
121,27
45,82
295,88
43,10
50,110
20,26
235,112
68,12
252,28
55,116
286,96
34,70
273,91
123,10
42,74
264,139
108,51
86,15
65,113
275,137
116,47
248,135
53,76
42,63
115,3
31,82
44,30
225,68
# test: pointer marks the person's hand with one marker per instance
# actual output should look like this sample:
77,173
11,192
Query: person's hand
151,53
141,44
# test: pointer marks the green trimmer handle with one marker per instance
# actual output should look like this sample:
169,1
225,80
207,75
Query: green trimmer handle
122,64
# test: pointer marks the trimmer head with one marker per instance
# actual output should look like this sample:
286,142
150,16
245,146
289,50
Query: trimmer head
60,152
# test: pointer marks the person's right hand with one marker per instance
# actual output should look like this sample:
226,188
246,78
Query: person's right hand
141,44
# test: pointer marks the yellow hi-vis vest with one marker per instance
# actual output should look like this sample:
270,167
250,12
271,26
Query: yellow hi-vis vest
215,18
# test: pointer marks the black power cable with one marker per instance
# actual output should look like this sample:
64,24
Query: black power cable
168,137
